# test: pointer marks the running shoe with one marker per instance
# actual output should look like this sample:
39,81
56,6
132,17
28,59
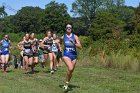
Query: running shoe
52,72
66,85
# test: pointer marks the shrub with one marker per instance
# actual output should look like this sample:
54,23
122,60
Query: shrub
86,40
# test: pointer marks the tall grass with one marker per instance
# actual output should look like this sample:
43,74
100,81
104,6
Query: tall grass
121,61
116,60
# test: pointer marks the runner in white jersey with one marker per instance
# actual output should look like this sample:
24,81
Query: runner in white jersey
55,50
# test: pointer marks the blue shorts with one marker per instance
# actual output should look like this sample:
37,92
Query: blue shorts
71,56
5,53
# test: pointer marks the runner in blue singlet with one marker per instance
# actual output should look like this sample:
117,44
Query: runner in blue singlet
5,52
69,47
71,42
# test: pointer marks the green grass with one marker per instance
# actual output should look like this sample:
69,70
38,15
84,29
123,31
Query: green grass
90,76
85,80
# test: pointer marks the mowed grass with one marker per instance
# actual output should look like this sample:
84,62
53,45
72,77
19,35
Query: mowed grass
85,80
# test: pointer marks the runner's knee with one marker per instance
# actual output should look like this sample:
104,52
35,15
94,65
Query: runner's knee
71,69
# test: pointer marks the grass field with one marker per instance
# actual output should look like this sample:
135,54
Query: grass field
85,80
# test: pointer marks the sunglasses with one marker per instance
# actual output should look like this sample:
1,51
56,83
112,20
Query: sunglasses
68,28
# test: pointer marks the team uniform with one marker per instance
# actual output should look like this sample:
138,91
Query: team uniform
48,48
60,54
5,47
35,49
28,49
69,48
55,47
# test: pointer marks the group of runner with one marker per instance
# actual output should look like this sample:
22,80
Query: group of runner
33,51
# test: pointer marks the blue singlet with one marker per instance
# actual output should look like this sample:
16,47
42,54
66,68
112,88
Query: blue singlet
5,47
69,48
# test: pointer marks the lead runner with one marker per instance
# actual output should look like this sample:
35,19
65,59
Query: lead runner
71,42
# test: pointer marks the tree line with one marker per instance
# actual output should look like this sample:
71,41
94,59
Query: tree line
99,19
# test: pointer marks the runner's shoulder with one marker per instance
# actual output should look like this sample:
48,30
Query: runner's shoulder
75,36
62,37
45,38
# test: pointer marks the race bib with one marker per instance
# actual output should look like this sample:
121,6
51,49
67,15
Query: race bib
6,49
49,48
54,48
27,50
70,49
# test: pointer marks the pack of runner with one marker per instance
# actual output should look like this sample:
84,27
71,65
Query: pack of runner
34,51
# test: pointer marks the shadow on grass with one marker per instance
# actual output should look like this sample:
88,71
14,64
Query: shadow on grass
9,71
46,71
71,88
30,72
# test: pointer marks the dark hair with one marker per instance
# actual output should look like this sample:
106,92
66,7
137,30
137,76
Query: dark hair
4,35
54,33
47,32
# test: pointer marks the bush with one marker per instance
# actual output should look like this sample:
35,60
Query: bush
86,40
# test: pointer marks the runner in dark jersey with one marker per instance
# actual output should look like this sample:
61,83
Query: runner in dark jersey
47,45
71,42
28,53
35,49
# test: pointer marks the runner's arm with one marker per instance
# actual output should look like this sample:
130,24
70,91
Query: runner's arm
42,43
59,45
78,43
20,45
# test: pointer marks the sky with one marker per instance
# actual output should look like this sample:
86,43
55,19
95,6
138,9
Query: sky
14,5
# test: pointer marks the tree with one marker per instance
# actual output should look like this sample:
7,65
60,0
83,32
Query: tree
56,17
2,15
79,27
29,19
110,4
137,16
105,26
8,25
2,12
86,9
124,13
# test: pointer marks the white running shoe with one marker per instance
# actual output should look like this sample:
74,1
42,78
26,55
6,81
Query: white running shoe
52,72
66,85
